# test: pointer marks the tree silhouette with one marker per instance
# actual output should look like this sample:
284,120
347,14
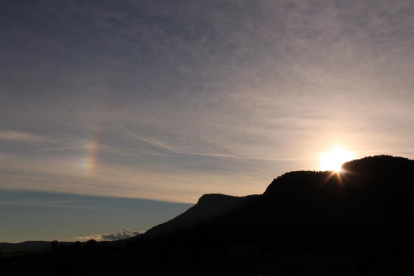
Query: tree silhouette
76,246
54,245
91,244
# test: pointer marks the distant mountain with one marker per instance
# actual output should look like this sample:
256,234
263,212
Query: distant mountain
27,245
371,197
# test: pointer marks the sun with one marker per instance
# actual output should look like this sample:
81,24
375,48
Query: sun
332,160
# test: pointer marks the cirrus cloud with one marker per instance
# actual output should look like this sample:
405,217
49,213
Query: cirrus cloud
20,136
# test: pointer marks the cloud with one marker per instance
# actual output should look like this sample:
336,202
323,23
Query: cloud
124,234
157,144
178,100
20,137
69,204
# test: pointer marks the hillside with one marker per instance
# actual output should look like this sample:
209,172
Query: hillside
27,245
207,207
357,222
372,196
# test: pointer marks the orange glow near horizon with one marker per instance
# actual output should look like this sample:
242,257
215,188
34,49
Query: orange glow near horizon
333,159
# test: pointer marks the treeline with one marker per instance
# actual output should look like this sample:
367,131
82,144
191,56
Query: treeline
76,246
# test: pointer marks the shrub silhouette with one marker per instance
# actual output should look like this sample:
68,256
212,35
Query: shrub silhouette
54,245
91,244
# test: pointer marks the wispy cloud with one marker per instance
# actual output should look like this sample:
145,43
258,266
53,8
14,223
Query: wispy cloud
157,144
20,136
218,148
48,203
202,93
124,234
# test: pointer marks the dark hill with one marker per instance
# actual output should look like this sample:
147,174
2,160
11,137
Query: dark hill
207,207
357,222
371,197
27,245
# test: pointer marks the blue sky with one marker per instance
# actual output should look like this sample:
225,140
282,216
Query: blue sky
166,101
66,217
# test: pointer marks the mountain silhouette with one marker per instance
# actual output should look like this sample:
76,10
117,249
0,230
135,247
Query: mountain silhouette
370,198
207,207
356,222
27,245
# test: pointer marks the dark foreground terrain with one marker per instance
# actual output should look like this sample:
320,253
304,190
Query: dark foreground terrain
357,222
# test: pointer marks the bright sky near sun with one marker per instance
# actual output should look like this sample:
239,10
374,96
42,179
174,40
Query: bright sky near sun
168,100
333,159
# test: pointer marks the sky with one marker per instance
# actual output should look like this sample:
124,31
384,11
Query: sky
160,102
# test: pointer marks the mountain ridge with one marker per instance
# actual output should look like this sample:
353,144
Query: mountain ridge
368,189
208,206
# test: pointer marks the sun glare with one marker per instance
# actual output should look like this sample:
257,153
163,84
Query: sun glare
332,160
